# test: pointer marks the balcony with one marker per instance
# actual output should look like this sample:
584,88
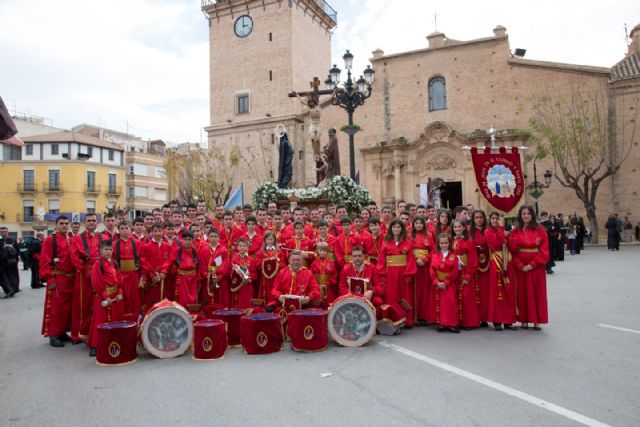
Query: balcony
114,191
25,219
92,190
52,187
27,188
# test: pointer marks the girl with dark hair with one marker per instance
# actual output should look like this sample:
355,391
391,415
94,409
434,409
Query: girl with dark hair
502,292
530,248
481,278
422,241
444,276
443,226
397,266
465,250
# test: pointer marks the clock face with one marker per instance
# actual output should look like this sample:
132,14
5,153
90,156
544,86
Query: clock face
243,26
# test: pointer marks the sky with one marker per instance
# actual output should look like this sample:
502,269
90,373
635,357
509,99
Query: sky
142,66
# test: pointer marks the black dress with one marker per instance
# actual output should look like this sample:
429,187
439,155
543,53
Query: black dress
10,275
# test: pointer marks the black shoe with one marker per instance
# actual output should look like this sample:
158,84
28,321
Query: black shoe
524,326
454,330
65,338
511,327
484,325
467,329
92,352
498,327
549,271
55,342
537,328
441,328
76,342
10,294
38,286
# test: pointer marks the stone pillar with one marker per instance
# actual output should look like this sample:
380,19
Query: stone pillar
397,169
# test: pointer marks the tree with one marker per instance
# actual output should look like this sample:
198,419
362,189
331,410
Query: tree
261,160
205,174
589,136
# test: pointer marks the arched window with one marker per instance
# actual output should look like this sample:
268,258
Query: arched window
437,94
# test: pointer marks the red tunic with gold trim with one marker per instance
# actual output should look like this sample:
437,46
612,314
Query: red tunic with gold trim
481,278
303,244
154,262
302,283
269,262
107,235
331,241
502,291
59,274
343,245
240,294
282,235
531,247
83,292
210,292
422,251
326,274
106,285
184,263
369,272
229,238
397,266
130,269
372,249
444,308
255,243
465,250
170,279
308,230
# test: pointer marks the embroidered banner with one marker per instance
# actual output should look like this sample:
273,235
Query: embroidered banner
499,176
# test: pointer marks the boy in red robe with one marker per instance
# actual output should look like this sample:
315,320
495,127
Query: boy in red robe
184,260
301,243
127,256
243,273
108,305
154,258
213,268
325,272
345,242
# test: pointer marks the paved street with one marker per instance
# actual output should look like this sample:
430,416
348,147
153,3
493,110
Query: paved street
573,371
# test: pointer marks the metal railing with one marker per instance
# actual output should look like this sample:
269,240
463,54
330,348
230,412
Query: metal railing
52,187
25,219
27,187
92,189
114,190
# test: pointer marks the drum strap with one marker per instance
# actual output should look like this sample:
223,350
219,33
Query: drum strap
193,254
136,260
54,248
85,243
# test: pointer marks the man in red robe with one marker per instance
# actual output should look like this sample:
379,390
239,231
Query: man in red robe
85,250
56,268
154,261
127,256
297,281
345,242
110,230
184,260
357,273
229,233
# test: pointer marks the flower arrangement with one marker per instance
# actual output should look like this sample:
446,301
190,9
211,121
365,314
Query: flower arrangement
340,190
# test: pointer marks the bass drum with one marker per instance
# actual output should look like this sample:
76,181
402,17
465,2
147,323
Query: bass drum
167,330
352,321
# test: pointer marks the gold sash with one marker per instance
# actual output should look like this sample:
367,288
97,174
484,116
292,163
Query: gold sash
396,260
186,272
528,250
442,275
64,273
127,265
421,253
112,289
322,278
464,259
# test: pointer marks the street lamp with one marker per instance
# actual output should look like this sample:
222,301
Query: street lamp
536,188
350,96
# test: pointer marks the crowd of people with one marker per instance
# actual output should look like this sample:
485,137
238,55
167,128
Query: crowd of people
460,269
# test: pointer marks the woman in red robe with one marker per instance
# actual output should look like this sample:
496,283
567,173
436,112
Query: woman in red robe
481,278
502,295
530,247
185,264
422,242
443,226
464,248
444,277
398,267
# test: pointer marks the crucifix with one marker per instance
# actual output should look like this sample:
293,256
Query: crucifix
311,100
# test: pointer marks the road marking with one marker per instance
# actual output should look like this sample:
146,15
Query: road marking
618,328
567,413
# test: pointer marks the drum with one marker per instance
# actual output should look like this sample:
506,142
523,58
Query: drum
292,302
167,330
209,339
261,333
209,309
307,330
232,319
116,343
352,321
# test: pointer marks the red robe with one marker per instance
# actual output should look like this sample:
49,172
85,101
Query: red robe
83,292
211,293
372,248
325,272
170,279
240,295
422,251
229,238
154,260
59,276
331,241
531,247
481,279
185,268
399,279
308,230
303,244
268,263
468,314
282,235
343,245
300,283
130,274
502,291
370,272
106,235
105,285
444,309
255,243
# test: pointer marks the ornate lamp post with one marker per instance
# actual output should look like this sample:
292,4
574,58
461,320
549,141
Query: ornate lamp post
536,188
350,96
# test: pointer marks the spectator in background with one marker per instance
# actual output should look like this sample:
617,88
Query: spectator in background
627,230
35,246
9,269
638,231
613,227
